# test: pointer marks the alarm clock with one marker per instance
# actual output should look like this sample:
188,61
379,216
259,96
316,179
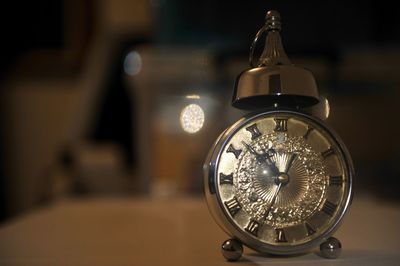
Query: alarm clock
279,180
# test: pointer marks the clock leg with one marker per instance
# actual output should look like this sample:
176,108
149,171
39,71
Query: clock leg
331,248
232,249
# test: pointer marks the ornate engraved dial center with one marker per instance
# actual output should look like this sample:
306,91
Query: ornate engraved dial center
290,166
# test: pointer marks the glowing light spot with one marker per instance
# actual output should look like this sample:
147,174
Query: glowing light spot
327,108
132,63
194,96
192,118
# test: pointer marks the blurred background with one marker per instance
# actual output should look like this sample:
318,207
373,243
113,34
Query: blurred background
96,96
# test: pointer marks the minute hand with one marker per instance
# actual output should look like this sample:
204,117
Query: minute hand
272,201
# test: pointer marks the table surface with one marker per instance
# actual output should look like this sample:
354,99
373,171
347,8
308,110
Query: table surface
174,232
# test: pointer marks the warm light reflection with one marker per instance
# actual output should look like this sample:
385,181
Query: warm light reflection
192,118
327,108
132,63
193,96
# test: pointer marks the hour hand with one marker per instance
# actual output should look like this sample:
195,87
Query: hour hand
260,157
278,188
264,157
289,163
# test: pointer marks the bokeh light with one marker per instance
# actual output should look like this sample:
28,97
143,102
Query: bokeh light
192,118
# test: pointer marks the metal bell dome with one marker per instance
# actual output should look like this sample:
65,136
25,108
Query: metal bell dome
274,80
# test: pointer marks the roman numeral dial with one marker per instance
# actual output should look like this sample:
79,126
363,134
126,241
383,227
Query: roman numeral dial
225,179
235,152
280,235
327,152
252,227
280,125
309,129
255,132
310,229
335,180
233,206
329,208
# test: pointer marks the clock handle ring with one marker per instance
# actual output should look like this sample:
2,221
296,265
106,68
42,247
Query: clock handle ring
272,23
253,46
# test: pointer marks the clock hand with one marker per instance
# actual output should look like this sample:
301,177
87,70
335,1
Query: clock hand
270,162
272,201
287,168
293,156
261,157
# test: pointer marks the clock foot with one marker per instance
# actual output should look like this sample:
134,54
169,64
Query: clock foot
232,249
331,248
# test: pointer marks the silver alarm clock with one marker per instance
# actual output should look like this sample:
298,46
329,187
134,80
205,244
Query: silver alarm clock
279,180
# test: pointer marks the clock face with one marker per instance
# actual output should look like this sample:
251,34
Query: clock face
282,179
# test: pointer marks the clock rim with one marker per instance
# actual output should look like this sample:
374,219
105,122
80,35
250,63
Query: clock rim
221,216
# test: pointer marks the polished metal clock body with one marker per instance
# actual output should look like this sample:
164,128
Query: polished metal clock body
279,181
